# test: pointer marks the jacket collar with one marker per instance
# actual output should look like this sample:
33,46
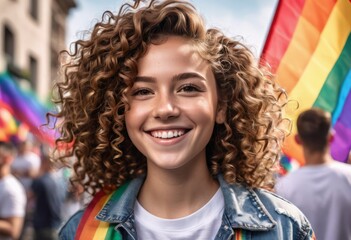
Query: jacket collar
119,210
243,208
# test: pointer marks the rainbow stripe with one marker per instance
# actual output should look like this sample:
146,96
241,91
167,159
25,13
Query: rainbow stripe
309,49
91,228
24,107
240,234
8,125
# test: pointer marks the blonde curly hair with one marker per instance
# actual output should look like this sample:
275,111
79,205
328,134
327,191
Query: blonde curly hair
92,101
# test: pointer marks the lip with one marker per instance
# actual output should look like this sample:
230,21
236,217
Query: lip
165,127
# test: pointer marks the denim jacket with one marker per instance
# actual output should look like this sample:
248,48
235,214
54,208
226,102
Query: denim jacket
259,213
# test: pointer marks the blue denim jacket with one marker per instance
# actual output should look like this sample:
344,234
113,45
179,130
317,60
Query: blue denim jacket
261,214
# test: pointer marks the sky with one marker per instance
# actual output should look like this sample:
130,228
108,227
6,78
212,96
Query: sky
249,19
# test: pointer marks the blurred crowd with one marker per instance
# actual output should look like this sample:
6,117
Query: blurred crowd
36,197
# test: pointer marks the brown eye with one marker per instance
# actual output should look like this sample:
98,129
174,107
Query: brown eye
189,88
141,92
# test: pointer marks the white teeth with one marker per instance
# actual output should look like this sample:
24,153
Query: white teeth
167,134
164,135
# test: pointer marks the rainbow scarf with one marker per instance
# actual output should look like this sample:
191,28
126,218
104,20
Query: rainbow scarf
240,234
309,49
91,228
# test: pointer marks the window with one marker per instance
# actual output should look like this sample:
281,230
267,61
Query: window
54,23
9,45
33,68
54,65
34,9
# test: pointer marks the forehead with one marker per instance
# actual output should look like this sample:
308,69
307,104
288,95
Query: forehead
172,54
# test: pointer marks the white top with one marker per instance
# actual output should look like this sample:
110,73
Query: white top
12,198
202,224
26,162
323,193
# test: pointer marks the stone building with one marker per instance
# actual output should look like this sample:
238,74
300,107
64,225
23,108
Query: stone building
32,33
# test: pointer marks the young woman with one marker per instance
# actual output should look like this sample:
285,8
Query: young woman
175,129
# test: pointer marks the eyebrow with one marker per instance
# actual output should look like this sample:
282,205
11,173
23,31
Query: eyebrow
177,77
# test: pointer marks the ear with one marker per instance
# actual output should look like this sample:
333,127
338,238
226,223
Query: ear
221,114
298,139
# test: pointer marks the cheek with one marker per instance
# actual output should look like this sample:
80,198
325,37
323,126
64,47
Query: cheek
203,110
135,115
130,120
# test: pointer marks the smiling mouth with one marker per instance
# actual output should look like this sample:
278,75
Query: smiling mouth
167,134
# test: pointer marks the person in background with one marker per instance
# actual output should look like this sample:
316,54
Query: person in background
25,168
48,196
12,196
26,165
322,187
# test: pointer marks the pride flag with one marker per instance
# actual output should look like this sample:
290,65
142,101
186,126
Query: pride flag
8,125
21,109
309,49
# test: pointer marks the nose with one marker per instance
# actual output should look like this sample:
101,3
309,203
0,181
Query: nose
166,107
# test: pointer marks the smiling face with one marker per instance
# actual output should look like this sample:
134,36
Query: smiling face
173,105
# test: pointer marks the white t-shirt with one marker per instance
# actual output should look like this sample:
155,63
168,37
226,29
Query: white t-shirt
202,224
26,162
323,194
12,198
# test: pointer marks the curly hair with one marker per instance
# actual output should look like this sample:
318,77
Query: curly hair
92,101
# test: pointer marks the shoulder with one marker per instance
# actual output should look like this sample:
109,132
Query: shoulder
342,168
12,197
258,201
13,186
264,213
282,210
276,201
69,229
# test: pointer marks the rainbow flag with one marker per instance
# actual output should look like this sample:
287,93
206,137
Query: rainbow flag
309,49
24,107
8,124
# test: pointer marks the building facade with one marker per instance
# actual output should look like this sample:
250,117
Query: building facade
32,33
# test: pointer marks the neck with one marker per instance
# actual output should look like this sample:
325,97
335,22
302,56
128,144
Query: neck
177,193
317,158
